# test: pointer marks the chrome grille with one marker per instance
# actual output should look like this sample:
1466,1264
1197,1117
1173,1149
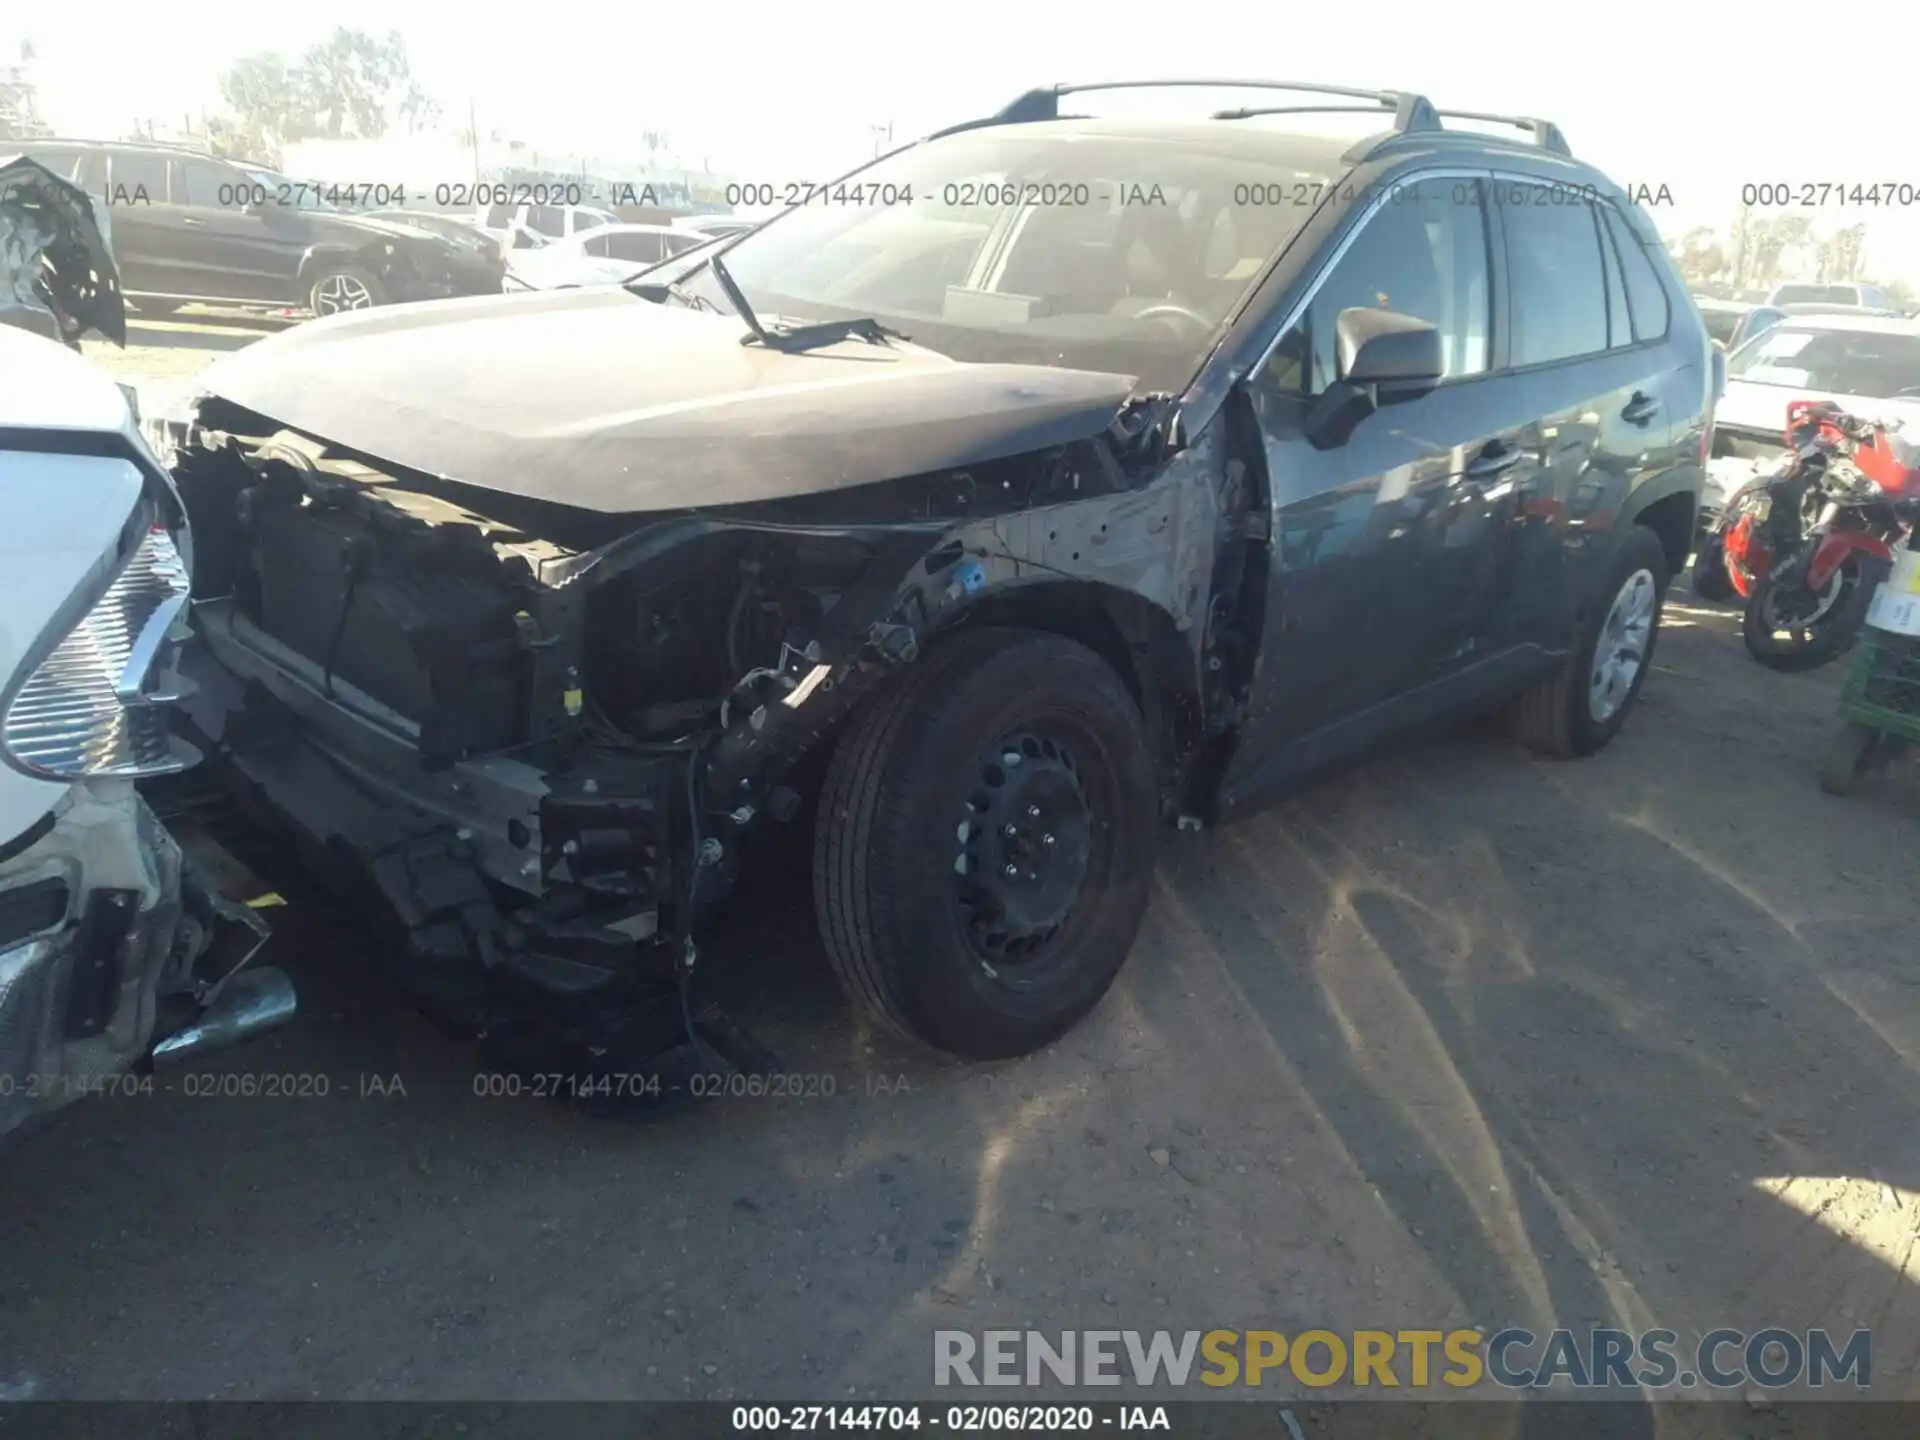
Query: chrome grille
85,711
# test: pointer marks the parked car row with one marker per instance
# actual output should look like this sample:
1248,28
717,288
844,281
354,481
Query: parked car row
191,228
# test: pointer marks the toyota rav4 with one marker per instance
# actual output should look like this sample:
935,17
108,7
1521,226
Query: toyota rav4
1074,476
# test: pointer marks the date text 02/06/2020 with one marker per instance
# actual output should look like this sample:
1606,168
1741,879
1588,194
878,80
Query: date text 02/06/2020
959,1419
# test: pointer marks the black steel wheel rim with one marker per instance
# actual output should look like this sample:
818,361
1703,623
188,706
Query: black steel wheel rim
1024,844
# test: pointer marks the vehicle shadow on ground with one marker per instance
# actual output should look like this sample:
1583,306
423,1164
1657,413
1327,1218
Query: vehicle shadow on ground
1616,1056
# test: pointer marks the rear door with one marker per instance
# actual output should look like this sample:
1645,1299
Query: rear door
1604,399
1388,576
152,244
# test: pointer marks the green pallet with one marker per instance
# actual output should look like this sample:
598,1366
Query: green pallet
1882,688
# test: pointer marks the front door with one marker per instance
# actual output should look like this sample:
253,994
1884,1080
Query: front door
1389,569
245,247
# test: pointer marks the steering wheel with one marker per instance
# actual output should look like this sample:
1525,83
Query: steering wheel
1171,310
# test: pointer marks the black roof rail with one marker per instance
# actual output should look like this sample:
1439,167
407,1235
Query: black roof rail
1545,133
1410,111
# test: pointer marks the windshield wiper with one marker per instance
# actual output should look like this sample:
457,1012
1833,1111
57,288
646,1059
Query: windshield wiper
660,291
738,297
774,337
827,332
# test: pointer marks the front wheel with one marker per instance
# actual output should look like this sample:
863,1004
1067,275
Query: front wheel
340,288
984,845
1582,706
1789,626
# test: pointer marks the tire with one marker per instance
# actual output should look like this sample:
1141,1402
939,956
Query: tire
902,811
1557,717
1849,756
1835,631
1710,579
330,281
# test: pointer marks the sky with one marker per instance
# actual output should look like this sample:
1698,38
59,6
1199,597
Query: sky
1656,95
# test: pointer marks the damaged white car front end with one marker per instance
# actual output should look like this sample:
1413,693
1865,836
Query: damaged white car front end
107,943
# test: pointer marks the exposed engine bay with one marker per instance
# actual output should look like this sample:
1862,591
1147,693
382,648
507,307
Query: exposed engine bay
536,736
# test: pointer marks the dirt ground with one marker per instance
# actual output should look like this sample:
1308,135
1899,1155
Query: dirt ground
1457,1036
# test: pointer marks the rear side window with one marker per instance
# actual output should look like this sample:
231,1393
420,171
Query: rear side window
1559,285
1646,296
137,178
638,247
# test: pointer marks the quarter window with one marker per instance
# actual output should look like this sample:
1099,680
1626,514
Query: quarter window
1422,252
1553,262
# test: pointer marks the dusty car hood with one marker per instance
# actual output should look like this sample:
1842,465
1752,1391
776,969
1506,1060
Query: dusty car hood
598,399
51,232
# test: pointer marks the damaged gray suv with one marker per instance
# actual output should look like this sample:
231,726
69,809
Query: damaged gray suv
1045,481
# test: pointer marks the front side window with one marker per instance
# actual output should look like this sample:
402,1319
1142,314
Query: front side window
1071,248
1869,363
212,186
1554,268
1422,252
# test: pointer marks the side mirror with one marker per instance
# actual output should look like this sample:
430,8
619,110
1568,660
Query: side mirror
1384,347
1372,348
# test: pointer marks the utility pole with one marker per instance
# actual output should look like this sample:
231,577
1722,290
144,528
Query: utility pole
473,138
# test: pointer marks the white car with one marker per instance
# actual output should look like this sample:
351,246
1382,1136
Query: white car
1810,292
1867,364
106,936
505,222
600,256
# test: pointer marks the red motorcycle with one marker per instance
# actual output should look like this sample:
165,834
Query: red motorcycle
1807,544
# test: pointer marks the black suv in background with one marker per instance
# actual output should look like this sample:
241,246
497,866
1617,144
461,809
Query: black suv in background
190,227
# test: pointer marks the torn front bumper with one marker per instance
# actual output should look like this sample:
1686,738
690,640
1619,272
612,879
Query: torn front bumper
89,916
505,884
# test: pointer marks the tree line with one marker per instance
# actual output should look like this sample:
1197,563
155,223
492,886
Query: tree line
1760,251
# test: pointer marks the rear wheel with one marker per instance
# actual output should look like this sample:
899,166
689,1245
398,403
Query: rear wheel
1582,706
985,843
1789,626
